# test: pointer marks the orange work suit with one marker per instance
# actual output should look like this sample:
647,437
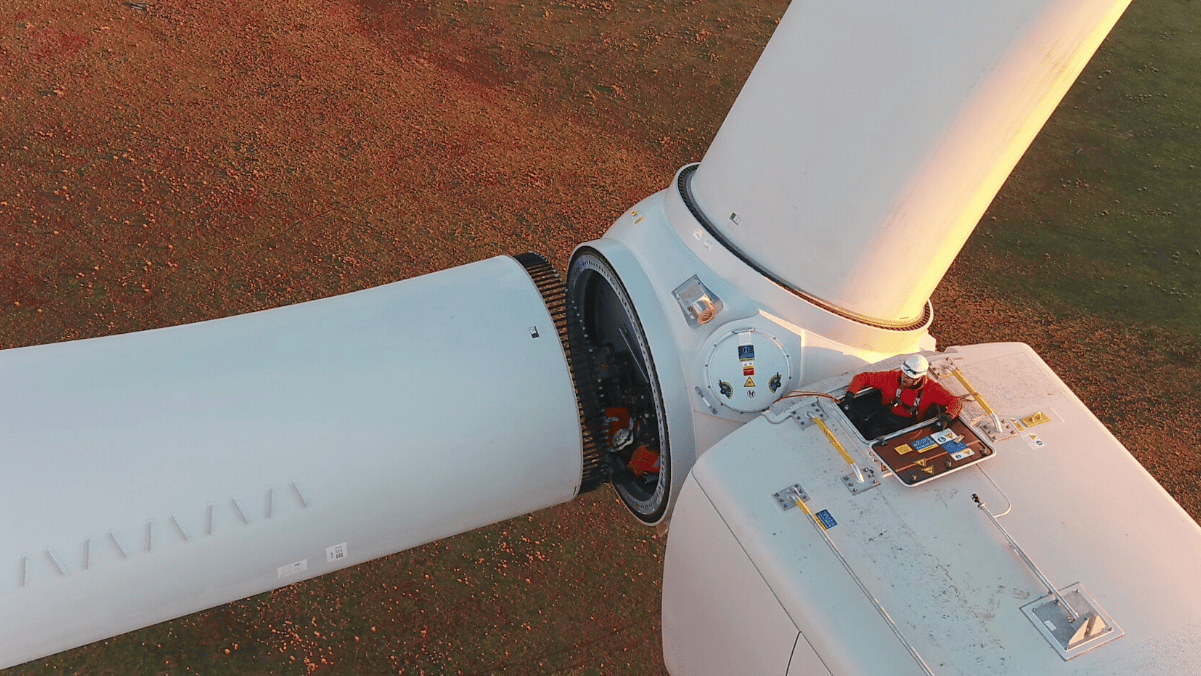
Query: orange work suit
907,402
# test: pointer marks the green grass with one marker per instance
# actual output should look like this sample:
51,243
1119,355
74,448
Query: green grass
1102,213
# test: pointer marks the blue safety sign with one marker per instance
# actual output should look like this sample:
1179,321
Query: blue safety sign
824,518
922,444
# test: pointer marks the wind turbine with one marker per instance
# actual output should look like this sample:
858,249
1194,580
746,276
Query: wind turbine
235,397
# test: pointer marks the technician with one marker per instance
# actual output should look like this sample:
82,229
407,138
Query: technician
907,396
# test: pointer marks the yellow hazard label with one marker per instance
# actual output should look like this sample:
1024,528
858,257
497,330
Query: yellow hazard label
928,470
921,462
903,449
750,382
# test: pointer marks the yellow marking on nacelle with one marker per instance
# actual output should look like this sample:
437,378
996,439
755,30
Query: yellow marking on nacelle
805,508
1036,419
830,435
972,391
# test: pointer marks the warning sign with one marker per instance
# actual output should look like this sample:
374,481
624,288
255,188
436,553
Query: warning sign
750,382
748,370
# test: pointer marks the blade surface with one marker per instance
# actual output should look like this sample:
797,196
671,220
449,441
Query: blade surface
162,472
871,137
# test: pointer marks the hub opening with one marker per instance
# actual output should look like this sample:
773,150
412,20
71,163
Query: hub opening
618,385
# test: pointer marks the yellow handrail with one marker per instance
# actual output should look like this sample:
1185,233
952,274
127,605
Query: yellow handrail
972,391
830,435
804,508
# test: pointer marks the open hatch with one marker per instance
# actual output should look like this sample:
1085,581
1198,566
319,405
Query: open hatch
920,452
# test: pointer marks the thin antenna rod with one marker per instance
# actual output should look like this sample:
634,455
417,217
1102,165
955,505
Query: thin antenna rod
1072,615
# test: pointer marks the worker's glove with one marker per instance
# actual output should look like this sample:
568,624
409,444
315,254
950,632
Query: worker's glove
944,421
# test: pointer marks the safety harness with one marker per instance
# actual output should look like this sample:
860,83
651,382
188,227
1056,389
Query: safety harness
917,401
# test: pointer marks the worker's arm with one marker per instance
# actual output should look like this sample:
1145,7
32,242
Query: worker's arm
857,383
874,379
936,394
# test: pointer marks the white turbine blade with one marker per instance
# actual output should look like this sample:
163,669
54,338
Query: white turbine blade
871,137
154,474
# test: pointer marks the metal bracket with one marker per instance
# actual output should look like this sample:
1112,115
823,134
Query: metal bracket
870,481
985,425
1072,637
705,400
805,413
785,497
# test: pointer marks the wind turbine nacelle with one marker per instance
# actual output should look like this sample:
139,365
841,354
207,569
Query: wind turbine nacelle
854,164
690,341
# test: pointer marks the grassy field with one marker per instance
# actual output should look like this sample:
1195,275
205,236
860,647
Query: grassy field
163,163
1102,214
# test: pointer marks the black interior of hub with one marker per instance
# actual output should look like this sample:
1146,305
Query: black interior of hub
623,387
617,383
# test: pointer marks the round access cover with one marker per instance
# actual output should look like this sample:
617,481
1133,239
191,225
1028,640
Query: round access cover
747,369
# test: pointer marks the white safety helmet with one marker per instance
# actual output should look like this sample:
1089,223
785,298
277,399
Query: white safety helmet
915,366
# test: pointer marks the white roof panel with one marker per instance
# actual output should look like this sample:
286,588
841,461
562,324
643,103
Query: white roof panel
1077,503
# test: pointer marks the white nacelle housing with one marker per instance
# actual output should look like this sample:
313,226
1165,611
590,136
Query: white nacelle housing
752,584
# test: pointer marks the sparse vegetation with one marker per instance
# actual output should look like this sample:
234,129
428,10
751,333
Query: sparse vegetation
1102,214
